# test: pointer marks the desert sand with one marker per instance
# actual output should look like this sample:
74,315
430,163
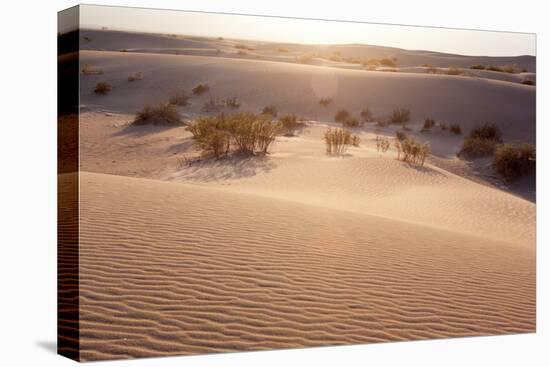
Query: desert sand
182,254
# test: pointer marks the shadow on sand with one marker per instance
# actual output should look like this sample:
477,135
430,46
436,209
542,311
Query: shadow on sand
48,345
142,130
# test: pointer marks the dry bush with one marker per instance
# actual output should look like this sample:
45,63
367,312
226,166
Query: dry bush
481,141
428,124
269,110
401,136
388,62
200,89
455,129
412,151
87,69
514,160
102,88
136,76
400,116
289,124
325,101
161,114
355,140
337,140
179,98
211,134
488,132
232,102
478,67
342,115
432,70
382,144
366,115
351,122
454,71
512,69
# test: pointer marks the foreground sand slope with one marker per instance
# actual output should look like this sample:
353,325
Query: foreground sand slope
172,268
295,88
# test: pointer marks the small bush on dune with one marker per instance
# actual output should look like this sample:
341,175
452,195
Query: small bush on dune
412,151
136,76
342,115
161,114
179,98
428,124
337,140
481,141
432,70
270,110
454,71
388,62
211,134
478,67
400,116
382,144
325,101
351,122
456,129
366,115
102,88
355,140
401,136
289,124
514,160
87,69
200,89
487,132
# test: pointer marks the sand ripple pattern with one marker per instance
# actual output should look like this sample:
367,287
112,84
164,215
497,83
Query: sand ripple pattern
170,268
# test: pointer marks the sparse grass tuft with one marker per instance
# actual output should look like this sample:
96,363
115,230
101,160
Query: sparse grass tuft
337,141
289,124
514,160
161,114
325,101
200,89
401,136
366,115
428,124
102,88
382,144
270,110
412,151
477,67
355,140
481,141
400,116
342,115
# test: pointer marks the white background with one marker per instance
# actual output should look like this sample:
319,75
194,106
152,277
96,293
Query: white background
28,183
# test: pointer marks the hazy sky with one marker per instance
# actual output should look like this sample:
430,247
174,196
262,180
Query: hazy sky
464,42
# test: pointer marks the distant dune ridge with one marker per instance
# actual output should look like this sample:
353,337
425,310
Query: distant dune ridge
186,254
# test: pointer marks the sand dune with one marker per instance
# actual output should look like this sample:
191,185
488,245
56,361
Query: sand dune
469,101
170,268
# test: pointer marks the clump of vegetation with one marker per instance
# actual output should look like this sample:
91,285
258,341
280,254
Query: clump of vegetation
401,136
351,122
200,89
325,101
87,69
342,115
366,115
337,140
282,49
478,67
432,69
382,144
161,114
289,124
400,116
454,71
232,102
388,62
246,133
355,140
455,129
527,82
270,110
428,124
514,160
511,69
136,76
481,141
412,151
179,98
102,88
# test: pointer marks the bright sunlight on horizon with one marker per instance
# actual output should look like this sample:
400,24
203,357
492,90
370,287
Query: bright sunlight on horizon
306,31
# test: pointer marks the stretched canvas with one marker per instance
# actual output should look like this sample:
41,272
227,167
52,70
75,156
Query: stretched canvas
241,183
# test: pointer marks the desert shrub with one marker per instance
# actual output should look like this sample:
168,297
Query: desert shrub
401,136
400,116
136,76
428,124
211,134
527,82
200,89
366,115
337,140
289,124
512,69
102,88
325,101
432,70
455,129
514,160
160,114
382,144
487,132
477,67
232,102
351,122
388,62
454,71
282,49
270,110
179,98
124,50
87,69
342,115
355,140
476,147
412,151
